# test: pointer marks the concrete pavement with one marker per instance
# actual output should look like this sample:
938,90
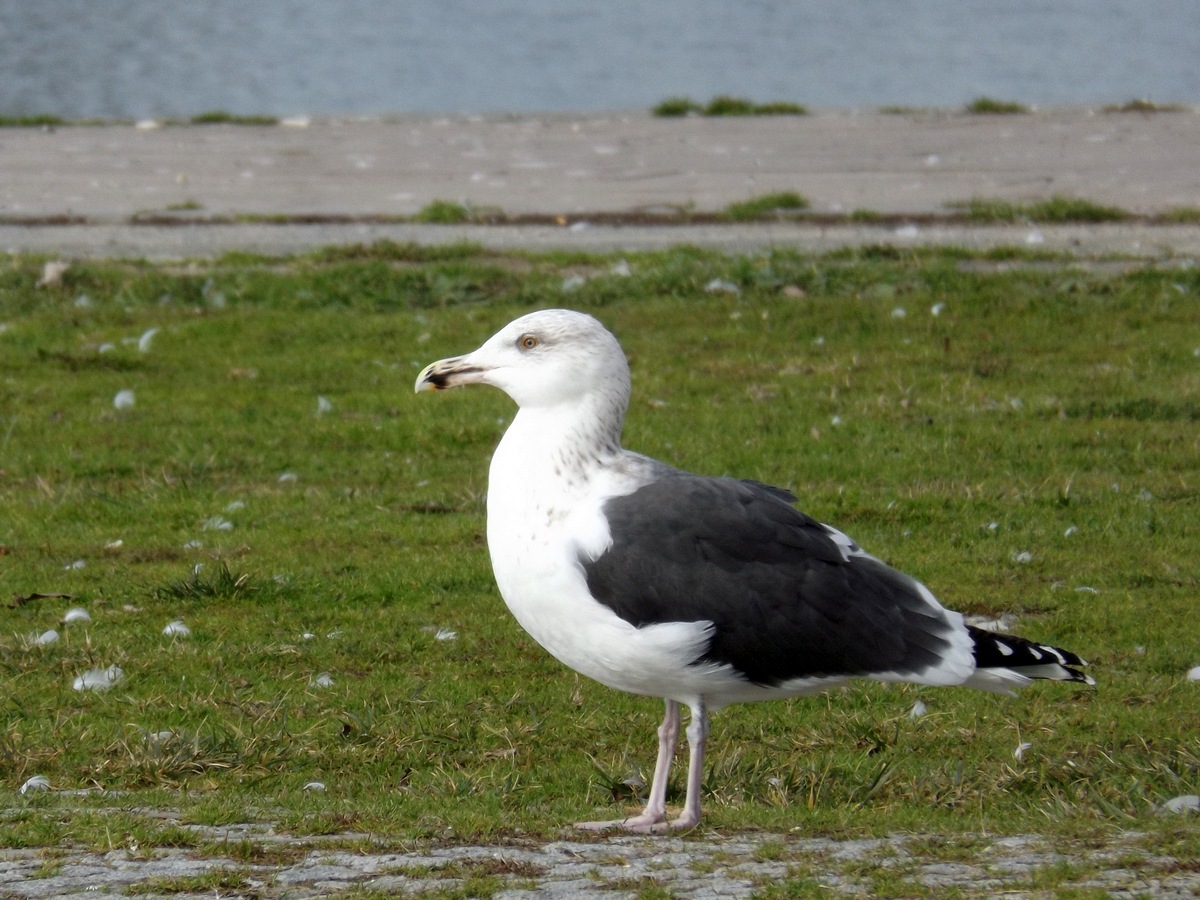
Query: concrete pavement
91,190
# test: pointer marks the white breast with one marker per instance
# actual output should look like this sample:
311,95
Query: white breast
539,525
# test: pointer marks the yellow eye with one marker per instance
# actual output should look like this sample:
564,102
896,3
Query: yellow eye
528,341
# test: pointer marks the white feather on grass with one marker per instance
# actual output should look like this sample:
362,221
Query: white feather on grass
99,679
720,286
144,341
52,273
177,629
1184,803
36,783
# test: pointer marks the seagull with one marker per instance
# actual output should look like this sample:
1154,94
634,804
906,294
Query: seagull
702,591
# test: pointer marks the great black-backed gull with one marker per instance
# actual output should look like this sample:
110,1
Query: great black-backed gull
702,591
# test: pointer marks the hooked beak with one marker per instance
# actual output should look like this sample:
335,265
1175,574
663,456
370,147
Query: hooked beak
447,373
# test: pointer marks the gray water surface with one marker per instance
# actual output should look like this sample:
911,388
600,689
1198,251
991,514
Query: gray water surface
143,58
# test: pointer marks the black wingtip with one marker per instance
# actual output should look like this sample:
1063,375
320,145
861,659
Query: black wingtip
994,650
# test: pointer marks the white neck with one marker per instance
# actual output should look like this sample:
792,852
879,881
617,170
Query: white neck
558,444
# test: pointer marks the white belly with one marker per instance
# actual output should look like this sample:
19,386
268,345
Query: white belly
539,527
535,547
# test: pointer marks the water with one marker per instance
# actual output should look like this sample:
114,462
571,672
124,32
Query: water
138,58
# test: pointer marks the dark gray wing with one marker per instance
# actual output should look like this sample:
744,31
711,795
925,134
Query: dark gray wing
785,600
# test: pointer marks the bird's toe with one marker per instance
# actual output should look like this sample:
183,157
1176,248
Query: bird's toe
642,824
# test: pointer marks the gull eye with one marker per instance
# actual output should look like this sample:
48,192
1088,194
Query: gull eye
528,341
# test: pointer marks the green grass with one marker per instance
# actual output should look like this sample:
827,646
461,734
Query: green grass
443,212
1047,395
214,883
211,117
765,206
674,107
1057,209
990,106
222,117
1182,215
725,105
31,121
865,216
1143,105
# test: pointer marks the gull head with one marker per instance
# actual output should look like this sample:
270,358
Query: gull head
543,359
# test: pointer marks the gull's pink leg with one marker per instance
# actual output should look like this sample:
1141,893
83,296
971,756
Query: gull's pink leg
655,813
697,735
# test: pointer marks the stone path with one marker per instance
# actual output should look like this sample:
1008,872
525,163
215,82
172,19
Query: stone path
264,864
119,240
841,161
186,191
